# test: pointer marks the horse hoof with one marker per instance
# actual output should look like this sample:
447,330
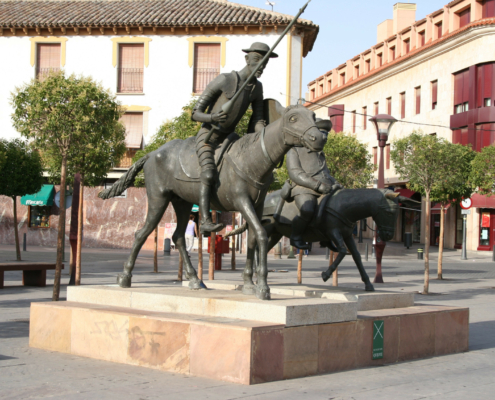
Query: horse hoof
248,289
262,294
369,288
124,280
325,276
197,285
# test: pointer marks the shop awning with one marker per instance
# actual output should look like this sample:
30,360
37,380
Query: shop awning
436,208
405,192
480,201
43,198
196,209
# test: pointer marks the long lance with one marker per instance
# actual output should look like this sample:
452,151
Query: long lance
227,107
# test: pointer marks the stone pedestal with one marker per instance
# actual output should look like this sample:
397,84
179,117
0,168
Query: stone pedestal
220,338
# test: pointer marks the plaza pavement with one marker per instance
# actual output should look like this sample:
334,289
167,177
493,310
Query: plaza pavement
27,373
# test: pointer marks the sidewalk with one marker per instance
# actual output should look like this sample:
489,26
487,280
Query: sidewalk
32,373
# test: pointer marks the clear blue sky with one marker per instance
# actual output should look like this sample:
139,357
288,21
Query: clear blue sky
347,27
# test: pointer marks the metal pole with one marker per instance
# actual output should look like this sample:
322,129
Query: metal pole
366,252
24,242
464,233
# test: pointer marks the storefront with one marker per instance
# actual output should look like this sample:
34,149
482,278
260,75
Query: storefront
411,217
436,209
486,206
39,207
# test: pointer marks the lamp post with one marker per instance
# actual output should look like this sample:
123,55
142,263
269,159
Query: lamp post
383,124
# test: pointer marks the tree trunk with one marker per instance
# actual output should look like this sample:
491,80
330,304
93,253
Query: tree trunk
427,244
299,267
200,249
16,231
61,231
335,274
233,242
213,237
440,243
80,223
155,256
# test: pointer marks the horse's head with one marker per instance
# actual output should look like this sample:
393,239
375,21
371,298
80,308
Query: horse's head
299,127
386,216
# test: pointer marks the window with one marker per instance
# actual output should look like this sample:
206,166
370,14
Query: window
367,65
484,79
379,60
439,28
131,68
389,106
421,39
464,17
39,216
488,8
133,122
312,96
434,95
329,85
418,99
407,46
47,59
461,91
356,72
365,117
206,65
320,92
375,156
342,79
387,156
376,108
484,136
403,105
354,122
392,53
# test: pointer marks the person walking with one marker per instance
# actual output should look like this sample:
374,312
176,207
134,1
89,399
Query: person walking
190,231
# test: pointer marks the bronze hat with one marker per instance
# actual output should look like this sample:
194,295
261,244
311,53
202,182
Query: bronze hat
324,124
261,48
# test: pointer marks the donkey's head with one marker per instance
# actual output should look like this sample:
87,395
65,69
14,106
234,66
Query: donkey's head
299,127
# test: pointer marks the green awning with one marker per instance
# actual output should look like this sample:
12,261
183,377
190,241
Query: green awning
43,198
196,209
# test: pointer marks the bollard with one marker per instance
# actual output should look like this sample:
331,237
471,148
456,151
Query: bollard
373,251
420,254
278,251
291,253
366,252
166,247
408,240
24,242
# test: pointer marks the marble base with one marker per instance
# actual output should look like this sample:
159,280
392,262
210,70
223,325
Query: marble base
239,350
288,310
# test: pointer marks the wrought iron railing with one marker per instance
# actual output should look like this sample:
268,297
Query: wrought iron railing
203,76
42,73
130,80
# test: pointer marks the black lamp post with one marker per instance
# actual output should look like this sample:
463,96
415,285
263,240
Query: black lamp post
383,124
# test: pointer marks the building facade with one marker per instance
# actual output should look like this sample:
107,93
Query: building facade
154,55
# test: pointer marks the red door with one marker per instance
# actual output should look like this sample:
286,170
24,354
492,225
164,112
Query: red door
487,230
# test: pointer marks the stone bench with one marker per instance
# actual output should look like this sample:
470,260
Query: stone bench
33,273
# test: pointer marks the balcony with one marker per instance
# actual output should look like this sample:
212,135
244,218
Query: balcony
130,80
203,76
42,73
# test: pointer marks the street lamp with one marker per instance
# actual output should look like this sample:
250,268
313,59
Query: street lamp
383,124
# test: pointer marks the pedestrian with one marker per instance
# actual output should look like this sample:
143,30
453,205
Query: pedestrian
190,231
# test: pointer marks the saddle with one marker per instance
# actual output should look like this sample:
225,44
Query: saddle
188,168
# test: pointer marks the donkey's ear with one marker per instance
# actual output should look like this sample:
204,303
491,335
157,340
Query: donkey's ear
408,202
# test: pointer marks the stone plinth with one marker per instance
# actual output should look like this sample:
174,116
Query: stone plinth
366,301
282,309
243,351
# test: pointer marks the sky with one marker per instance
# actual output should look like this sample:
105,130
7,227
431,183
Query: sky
347,28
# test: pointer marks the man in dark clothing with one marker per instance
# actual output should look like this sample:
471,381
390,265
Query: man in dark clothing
311,178
208,110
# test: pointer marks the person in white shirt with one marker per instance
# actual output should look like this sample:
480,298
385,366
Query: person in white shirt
190,231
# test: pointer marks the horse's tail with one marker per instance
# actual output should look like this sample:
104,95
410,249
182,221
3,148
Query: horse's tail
125,180
237,231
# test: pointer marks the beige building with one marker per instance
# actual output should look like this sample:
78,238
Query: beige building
438,70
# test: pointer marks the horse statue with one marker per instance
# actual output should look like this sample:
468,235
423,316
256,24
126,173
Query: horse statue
245,167
334,222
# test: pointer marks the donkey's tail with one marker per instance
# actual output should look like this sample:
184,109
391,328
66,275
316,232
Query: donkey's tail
125,180
237,231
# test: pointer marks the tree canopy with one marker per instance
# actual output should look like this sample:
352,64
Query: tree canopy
482,175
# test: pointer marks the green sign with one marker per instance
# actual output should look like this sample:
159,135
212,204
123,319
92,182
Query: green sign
378,334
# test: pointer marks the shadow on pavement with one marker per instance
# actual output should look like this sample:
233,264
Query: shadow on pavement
14,329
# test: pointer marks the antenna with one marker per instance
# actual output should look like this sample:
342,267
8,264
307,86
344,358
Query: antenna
270,3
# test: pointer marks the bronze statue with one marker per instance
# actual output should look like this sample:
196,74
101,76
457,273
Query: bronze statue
208,110
311,178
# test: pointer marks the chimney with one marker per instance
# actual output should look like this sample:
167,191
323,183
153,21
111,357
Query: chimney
404,16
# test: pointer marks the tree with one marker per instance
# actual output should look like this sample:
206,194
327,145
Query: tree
482,176
424,161
453,187
57,114
21,173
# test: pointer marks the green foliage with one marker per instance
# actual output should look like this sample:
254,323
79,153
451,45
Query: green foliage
180,127
72,117
21,172
483,171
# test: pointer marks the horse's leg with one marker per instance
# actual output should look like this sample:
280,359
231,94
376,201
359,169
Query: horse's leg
183,210
252,216
337,239
273,238
157,204
351,245
248,287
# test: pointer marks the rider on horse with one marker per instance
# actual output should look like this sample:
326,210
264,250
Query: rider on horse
208,110
311,178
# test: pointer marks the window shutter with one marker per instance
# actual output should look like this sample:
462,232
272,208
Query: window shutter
387,156
389,106
131,68
418,100
487,81
434,92
365,117
376,108
354,122
206,65
47,59
439,30
133,123
403,105
489,9
464,17
465,88
375,156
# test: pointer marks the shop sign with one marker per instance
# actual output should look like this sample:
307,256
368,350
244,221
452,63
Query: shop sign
35,203
485,220
378,339
466,212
